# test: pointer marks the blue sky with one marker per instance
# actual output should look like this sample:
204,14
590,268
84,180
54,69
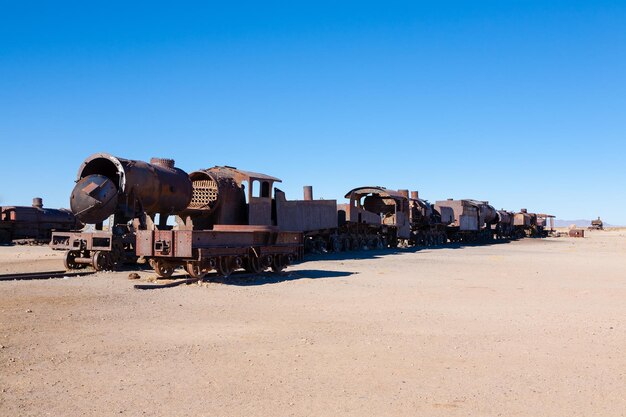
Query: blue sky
522,103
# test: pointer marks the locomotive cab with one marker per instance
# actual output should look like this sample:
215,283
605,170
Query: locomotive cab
229,196
378,205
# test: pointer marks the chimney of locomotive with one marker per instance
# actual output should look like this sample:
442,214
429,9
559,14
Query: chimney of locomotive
162,162
38,202
415,195
405,193
308,192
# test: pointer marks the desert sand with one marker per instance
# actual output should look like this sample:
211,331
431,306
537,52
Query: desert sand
535,327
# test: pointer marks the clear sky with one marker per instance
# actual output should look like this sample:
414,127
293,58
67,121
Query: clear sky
522,103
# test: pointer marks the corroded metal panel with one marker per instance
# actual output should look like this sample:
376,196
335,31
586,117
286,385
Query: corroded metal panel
144,245
182,243
306,215
522,219
260,211
577,233
466,214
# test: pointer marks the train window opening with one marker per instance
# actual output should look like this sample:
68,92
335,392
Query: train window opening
245,186
101,242
265,189
254,184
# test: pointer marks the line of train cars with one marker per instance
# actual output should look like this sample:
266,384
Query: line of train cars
34,224
224,219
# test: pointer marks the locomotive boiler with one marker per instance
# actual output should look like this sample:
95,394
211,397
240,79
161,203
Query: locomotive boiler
129,194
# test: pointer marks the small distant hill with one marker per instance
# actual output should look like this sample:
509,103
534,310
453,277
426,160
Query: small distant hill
578,223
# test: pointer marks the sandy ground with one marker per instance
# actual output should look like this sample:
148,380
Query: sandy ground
529,328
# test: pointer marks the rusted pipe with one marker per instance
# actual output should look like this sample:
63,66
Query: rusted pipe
308,192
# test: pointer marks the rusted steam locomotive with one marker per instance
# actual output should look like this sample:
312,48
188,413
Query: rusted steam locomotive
216,228
224,219
126,193
23,224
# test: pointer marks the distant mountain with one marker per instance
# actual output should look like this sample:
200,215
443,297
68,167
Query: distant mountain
578,223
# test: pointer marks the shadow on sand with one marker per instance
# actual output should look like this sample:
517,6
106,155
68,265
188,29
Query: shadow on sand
377,253
265,278
244,279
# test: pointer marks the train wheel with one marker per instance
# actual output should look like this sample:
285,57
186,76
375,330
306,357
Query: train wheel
335,244
320,245
101,260
194,270
279,263
347,245
253,265
224,266
69,260
162,269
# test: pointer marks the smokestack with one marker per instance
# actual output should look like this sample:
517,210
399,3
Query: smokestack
163,162
404,193
308,192
38,202
415,195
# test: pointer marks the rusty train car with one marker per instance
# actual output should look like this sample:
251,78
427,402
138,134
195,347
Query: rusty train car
472,220
223,219
34,224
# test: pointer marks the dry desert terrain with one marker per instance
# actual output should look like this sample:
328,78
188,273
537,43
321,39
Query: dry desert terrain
535,327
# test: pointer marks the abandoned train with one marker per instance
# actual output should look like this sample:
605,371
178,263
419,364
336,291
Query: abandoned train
34,224
226,219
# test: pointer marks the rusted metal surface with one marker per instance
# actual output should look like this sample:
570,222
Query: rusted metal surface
34,223
227,195
576,233
446,213
487,214
308,193
427,227
232,222
99,249
596,224
107,185
305,215
120,190
523,218
379,205
228,219
466,214
201,251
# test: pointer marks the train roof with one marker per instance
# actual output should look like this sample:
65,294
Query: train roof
242,175
382,191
